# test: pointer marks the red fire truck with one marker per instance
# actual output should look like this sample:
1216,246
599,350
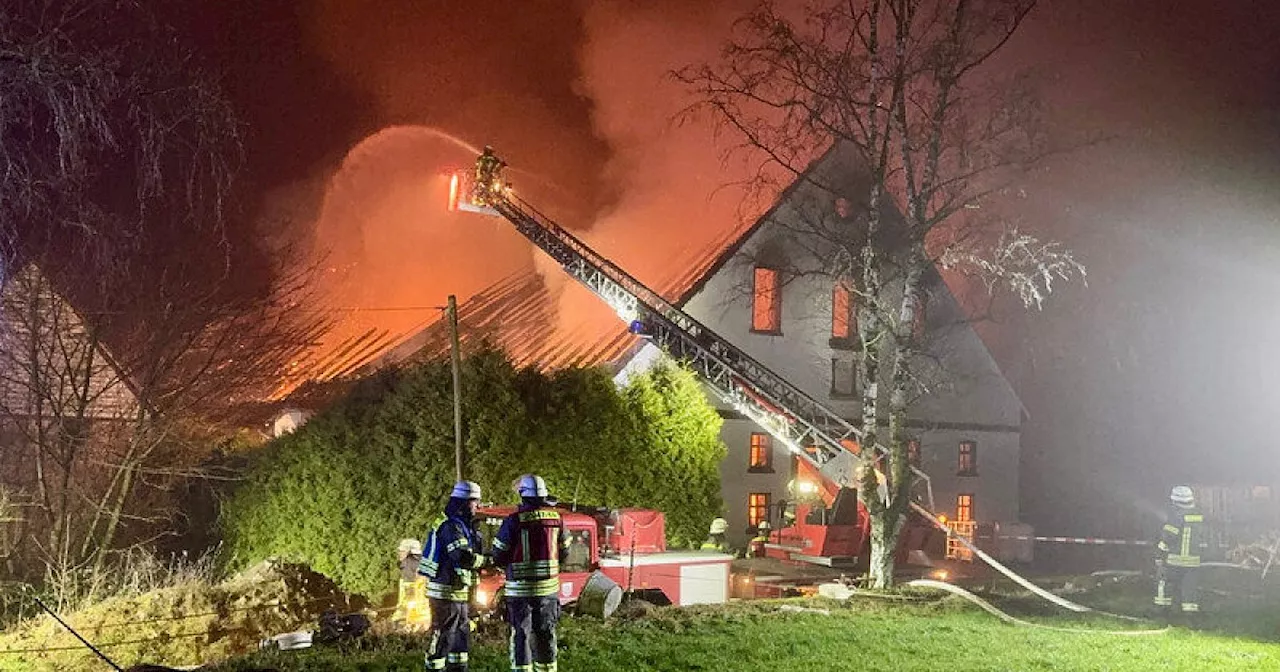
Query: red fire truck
629,547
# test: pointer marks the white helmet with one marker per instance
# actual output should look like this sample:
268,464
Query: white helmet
1182,496
409,547
719,526
530,485
465,490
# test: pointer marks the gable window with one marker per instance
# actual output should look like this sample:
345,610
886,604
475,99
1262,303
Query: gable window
913,452
757,508
968,459
964,508
761,459
844,325
766,301
842,377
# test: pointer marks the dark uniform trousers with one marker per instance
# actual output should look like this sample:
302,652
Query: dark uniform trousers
533,632
450,632
1178,585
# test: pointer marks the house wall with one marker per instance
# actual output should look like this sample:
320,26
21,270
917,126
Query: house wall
972,401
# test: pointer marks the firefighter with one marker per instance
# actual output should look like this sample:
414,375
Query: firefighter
1178,553
487,168
531,545
452,555
410,602
715,541
755,548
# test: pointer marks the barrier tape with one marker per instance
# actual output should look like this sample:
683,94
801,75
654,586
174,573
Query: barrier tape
1088,541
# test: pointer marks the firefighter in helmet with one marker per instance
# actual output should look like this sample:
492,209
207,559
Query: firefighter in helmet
755,548
1178,553
715,539
450,561
487,182
531,545
411,602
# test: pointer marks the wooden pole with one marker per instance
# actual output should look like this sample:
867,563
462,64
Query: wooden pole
454,354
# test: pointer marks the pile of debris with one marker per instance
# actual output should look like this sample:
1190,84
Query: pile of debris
182,626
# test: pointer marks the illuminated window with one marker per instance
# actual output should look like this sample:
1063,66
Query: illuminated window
841,313
968,465
913,452
761,453
757,508
766,301
964,508
842,377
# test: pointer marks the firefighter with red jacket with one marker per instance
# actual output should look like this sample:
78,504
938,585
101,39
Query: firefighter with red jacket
1178,553
452,555
530,545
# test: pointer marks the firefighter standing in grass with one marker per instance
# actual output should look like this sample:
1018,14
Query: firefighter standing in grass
409,606
531,544
452,555
1178,553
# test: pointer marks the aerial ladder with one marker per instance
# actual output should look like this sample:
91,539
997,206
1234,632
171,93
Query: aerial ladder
804,425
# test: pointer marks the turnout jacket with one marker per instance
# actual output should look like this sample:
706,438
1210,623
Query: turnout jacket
1180,539
452,554
531,544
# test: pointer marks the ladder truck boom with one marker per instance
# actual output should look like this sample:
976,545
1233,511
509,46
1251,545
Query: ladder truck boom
784,411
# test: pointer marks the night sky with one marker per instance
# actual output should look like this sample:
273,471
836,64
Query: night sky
1162,368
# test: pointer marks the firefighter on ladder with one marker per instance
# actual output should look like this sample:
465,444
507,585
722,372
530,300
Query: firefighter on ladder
1178,553
452,556
531,545
487,182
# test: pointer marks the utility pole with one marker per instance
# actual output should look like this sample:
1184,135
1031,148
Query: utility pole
456,356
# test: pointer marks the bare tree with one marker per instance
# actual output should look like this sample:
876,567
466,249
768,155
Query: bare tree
939,132
102,412
133,327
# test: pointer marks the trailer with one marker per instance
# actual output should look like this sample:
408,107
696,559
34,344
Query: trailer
629,547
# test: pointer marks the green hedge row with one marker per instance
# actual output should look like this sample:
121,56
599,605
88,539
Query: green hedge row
342,490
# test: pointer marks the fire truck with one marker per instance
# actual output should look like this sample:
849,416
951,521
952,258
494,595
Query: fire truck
831,528
629,547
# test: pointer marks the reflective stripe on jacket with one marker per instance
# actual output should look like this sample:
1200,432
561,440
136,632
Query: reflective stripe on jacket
1180,538
452,554
531,544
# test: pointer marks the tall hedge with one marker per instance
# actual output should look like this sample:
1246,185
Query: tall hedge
342,490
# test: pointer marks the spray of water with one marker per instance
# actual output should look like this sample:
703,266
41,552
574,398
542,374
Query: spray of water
445,135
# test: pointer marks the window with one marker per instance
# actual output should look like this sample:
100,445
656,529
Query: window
842,377
761,453
913,452
968,465
766,301
964,508
757,508
841,313
578,558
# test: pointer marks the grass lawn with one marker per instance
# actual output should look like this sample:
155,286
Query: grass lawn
860,634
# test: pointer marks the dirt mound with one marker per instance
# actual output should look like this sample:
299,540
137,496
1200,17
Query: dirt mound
188,624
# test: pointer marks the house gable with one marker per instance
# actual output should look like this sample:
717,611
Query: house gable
50,365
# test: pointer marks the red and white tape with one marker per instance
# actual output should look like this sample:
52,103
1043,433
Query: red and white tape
1088,541
1092,541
